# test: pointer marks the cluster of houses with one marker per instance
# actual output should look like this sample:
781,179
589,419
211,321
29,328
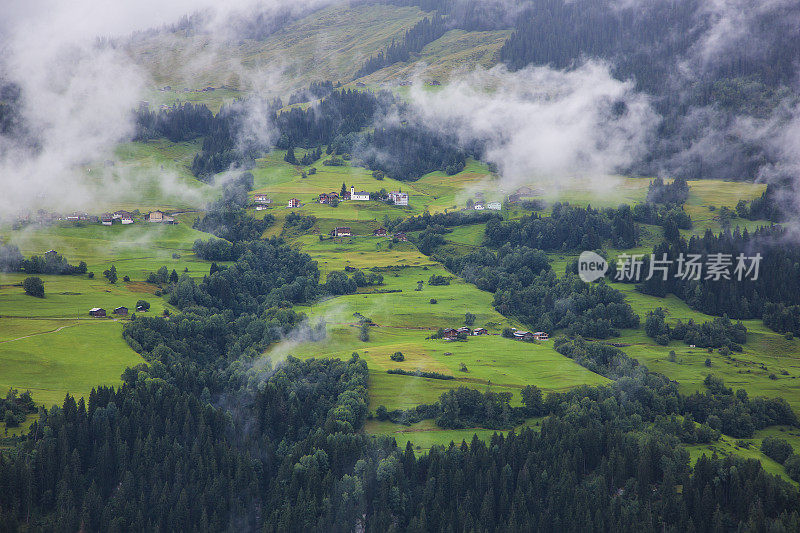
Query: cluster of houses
99,312
396,197
106,219
480,203
345,231
453,333
262,201
520,335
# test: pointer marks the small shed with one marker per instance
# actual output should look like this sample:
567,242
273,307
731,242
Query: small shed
97,312
479,331
121,310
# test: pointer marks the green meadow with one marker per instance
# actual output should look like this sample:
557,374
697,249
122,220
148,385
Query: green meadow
54,357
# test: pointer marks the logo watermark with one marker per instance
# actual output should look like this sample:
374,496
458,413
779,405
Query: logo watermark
687,267
591,266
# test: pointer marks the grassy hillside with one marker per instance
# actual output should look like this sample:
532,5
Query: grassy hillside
329,44
52,347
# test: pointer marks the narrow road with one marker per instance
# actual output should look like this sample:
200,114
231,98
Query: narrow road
40,333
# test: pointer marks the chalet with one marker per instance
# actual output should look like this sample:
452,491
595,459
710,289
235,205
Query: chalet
262,199
541,336
341,232
523,335
464,329
328,198
479,331
398,198
478,206
121,310
158,217
494,206
97,312
401,236
358,195
294,202
449,333
106,219
380,232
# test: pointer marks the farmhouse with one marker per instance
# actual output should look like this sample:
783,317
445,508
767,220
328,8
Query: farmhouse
398,197
478,206
262,199
121,310
401,236
541,336
358,195
479,331
97,312
494,206
341,232
464,329
523,335
159,217
106,219
380,232
294,202
449,333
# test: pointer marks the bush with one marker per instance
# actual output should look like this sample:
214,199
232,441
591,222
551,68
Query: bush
398,357
142,305
34,286
777,449
792,466
469,319
434,301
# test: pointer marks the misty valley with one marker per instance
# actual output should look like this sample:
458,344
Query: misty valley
400,265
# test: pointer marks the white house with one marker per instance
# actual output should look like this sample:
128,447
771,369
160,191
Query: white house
398,197
478,207
494,206
358,195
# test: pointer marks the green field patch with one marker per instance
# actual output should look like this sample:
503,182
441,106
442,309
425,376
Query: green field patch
72,358
425,434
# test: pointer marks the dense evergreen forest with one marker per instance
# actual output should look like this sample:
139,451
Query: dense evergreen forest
414,40
777,282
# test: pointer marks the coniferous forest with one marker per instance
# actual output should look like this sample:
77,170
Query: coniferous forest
252,404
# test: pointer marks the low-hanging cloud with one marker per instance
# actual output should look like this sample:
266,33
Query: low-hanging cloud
78,86
544,125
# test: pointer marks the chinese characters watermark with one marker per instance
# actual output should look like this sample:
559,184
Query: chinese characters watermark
687,267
